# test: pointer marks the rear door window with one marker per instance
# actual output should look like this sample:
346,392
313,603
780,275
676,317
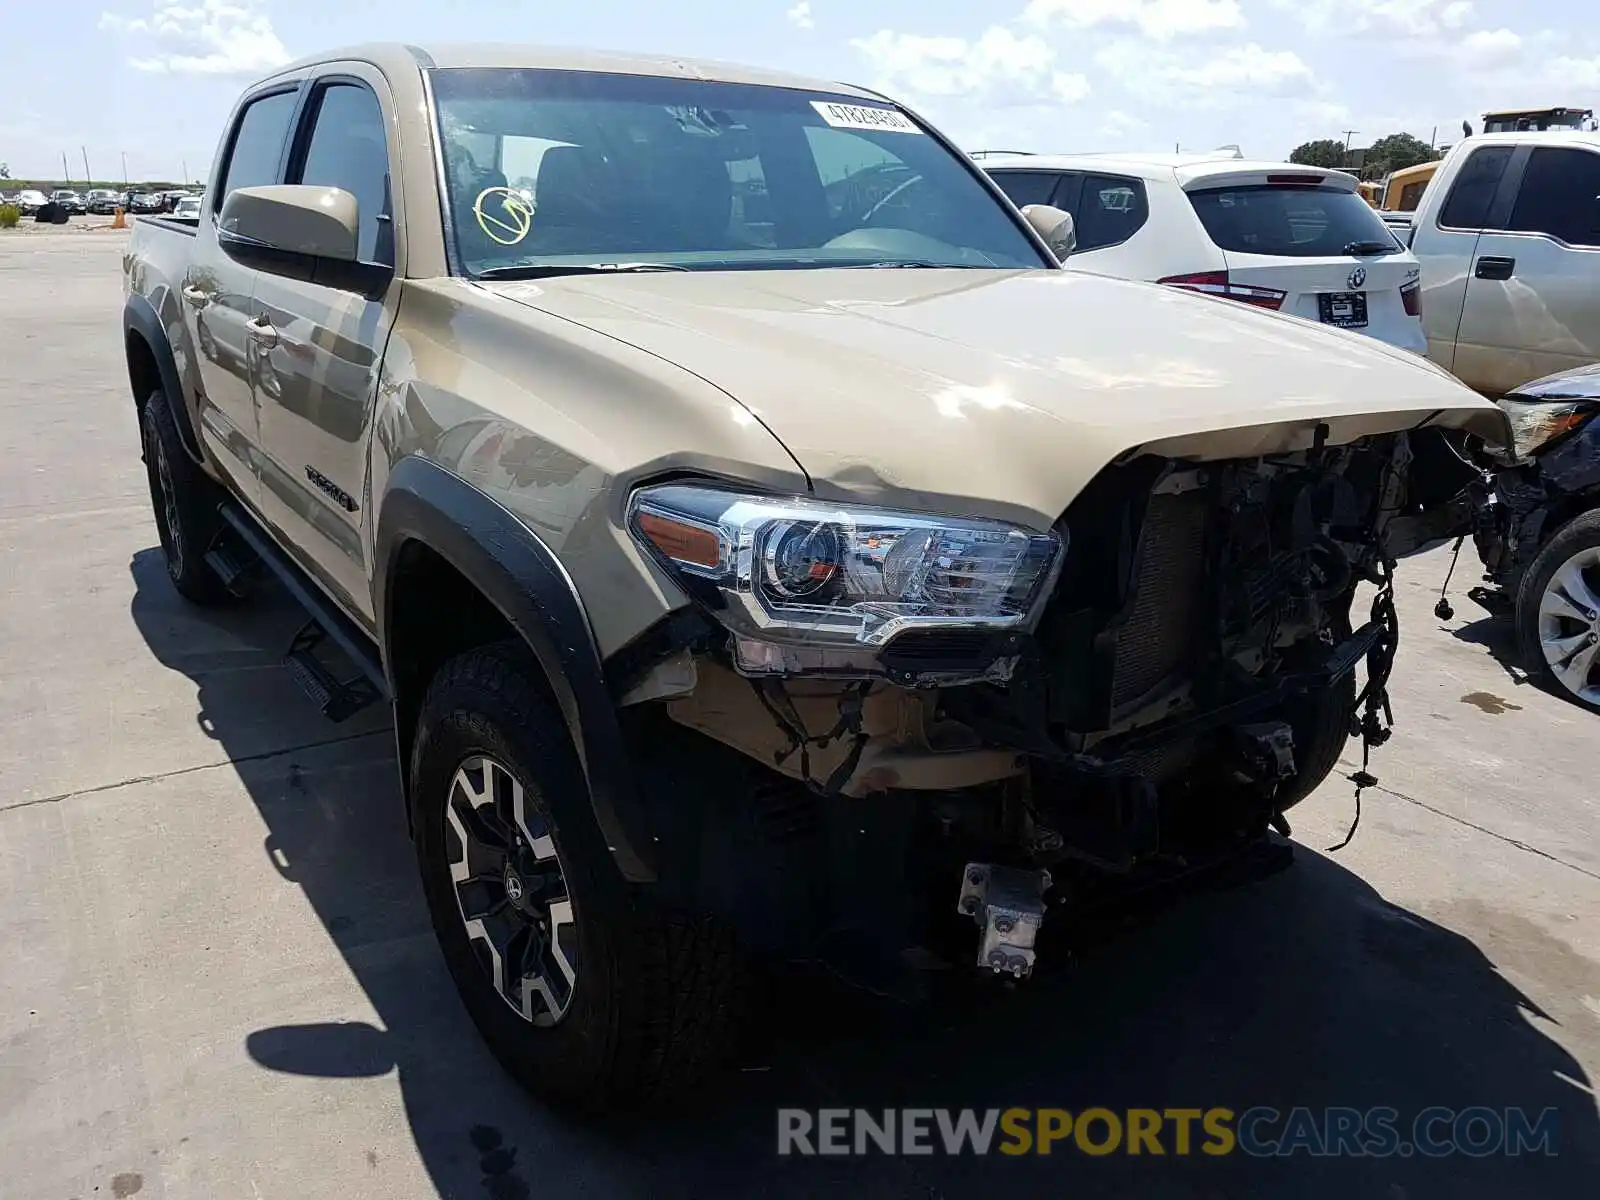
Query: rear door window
1472,194
1289,222
1560,196
1111,209
1028,187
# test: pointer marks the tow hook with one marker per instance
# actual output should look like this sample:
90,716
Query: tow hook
1008,905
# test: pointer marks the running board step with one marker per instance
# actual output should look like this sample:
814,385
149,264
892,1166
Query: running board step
335,699
338,700
236,565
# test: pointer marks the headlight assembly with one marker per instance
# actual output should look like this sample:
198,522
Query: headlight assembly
814,576
1536,422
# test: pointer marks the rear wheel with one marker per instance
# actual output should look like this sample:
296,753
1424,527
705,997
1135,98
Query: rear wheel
1558,613
586,991
185,500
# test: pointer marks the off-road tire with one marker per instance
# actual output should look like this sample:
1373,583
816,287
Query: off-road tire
1580,533
185,500
1321,725
659,997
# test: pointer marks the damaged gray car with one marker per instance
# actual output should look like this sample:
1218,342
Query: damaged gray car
1537,529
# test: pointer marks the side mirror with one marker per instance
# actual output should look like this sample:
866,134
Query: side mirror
300,231
1054,226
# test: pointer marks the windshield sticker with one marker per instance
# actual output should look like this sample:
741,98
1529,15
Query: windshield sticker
503,214
862,116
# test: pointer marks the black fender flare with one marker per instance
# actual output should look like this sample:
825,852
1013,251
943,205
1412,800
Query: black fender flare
139,316
517,573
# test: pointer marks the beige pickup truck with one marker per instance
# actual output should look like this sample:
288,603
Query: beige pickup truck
769,554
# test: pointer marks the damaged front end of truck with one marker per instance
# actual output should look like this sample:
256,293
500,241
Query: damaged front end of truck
940,724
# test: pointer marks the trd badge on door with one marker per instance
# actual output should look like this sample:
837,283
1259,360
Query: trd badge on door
341,497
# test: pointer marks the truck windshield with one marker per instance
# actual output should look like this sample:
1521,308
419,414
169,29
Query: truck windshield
547,169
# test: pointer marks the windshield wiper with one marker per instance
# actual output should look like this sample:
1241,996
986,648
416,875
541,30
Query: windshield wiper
909,264
553,270
1363,248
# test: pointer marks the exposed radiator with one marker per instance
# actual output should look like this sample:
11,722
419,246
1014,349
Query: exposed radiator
1155,641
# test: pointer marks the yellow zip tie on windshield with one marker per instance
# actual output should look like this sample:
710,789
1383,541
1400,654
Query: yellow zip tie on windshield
517,221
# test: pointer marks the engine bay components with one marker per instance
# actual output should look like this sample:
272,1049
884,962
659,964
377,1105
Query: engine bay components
1008,905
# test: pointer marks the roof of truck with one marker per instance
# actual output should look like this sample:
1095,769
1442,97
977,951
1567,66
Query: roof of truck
394,56
1532,137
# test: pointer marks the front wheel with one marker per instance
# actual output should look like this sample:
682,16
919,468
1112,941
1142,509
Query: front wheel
1321,725
588,993
1558,613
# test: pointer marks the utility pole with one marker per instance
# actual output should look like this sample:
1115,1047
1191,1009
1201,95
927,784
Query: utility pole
185,163
1433,138
1348,134
124,168
88,175
64,170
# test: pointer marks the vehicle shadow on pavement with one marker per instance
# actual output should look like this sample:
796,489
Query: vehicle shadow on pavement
1497,635
1306,989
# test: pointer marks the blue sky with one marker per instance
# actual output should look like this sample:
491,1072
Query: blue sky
154,78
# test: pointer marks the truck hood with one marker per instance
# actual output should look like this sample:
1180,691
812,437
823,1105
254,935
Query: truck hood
1003,393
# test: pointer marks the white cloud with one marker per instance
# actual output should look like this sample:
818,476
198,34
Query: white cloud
1158,19
1488,48
1119,124
800,15
1249,68
1000,69
1578,74
1411,18
202,37
1247,71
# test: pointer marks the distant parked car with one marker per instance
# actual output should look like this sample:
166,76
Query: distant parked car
144,202
1289,238
68,200
188,208
102,201
30,201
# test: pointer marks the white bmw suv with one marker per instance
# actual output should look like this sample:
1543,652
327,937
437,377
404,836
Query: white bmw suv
1300,240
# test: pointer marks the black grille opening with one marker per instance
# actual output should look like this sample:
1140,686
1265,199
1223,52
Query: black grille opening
1158,632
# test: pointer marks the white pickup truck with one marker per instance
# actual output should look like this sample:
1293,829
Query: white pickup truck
1508,237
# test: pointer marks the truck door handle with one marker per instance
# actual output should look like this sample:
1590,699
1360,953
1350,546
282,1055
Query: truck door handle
262,333
1492,266
197,297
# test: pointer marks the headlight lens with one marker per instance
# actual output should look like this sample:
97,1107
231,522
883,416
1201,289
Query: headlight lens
797,570
1535,422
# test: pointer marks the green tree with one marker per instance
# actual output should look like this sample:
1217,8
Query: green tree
1324,152
1397,152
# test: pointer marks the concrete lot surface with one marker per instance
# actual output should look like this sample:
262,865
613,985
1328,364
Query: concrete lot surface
217,981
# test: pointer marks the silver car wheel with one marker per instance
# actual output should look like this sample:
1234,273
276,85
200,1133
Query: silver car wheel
1569,624
510,891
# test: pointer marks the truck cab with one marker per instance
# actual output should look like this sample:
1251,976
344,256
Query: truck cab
1522,120
1508,238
